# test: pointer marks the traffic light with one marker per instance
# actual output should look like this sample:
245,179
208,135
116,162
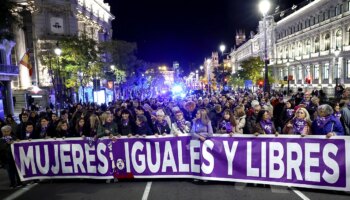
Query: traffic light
261,83
285,78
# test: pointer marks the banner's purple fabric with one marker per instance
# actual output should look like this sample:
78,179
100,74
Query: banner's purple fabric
313,162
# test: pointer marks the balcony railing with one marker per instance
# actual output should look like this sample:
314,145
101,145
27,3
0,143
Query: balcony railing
9,69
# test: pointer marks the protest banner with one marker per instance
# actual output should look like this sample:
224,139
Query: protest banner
311,162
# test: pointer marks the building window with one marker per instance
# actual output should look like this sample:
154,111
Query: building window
300,49
326,71
338,39
307,72
308,46
336,70
348,68
317,45
281,74
340,9
293,72
327,43
316,72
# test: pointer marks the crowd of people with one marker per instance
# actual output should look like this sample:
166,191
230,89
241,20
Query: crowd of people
238,112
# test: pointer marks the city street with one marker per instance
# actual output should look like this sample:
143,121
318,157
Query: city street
158,189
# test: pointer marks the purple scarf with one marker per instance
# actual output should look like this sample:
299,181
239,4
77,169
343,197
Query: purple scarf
321,121
43,132
227,125
181,124
290,113
299,125
160,124
266,125
7,138
125,122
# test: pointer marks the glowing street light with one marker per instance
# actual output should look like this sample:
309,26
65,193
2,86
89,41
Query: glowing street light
58,51
222,48
264,7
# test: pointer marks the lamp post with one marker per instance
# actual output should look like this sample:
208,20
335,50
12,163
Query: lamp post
81,76
264,7
208,74
113,68
58,52
336,54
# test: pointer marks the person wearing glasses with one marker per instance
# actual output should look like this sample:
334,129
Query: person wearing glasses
180,126
300,124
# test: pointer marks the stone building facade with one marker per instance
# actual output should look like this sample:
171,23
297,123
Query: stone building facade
311,44
45,22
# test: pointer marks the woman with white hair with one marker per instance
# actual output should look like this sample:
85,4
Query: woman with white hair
300,124
161,126
326,123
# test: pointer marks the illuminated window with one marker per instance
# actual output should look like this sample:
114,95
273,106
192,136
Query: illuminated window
316,71
317,45
326,71
338,39
327,42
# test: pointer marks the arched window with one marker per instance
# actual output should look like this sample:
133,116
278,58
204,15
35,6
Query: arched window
317,45
327,44
338,39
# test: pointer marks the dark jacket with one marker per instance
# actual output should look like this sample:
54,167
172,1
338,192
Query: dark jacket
126,128
112,127
144,129
161,128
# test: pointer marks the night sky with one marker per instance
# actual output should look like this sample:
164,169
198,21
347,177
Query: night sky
184,30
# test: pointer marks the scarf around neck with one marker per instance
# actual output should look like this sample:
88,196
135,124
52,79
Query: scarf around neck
322,121
299,125
266,125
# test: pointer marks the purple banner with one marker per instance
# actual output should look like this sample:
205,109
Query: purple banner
312,161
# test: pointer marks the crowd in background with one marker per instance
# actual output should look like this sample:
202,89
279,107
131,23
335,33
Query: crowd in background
238,112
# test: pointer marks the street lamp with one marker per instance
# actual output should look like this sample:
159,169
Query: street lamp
222,48
264,7
208,74
58,52
336,53
81,76
113,68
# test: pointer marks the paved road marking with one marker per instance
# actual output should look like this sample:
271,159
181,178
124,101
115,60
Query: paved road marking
21,191
147,190
300,194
